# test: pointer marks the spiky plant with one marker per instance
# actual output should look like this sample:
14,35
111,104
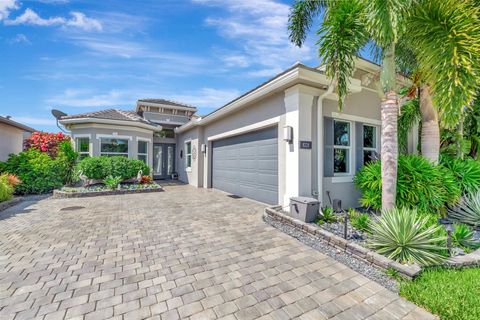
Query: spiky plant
404,236
468,210
462,236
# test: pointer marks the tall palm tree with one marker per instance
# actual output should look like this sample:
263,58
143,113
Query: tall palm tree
347,27
440,49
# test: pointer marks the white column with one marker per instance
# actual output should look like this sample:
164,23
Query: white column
298,162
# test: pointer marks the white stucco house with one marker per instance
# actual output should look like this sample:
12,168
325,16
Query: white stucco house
12,134
284,138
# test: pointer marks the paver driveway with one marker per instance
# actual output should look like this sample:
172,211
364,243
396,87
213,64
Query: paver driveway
184,253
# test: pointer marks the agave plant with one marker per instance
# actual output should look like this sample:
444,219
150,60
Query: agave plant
404,236
468,210
462,236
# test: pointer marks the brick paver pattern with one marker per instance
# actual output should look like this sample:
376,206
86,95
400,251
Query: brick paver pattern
186,253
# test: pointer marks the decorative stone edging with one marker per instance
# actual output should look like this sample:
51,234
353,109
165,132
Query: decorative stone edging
10,203
58,194
468,260
364,254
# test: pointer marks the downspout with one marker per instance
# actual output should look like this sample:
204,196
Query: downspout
320,143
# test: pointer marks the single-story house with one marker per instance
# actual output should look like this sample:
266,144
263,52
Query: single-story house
12,135
284,138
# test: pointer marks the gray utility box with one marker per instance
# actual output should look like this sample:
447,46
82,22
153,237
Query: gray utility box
304,209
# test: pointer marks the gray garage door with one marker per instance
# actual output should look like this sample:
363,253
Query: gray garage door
247,165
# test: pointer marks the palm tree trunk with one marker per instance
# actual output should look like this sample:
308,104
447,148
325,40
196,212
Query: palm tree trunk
430,136
389,152
389,139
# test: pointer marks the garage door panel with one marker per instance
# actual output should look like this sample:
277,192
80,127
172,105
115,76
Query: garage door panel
247,165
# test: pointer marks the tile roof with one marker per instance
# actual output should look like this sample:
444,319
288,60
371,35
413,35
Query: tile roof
15,124
167,102
111,114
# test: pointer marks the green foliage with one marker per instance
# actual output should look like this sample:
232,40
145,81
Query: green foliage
466,171
445,38
101,167
462,236
420,185
112,182
450,293
410,114
360,221
326,216
67,159
6,190
402,235
37,171
467,211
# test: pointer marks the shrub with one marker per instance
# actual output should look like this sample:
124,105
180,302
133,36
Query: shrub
101,167
146,180
326,216
359,221
6,189
420,185
67,160
402,235
45,142
467,172
112,182
37,171
468,210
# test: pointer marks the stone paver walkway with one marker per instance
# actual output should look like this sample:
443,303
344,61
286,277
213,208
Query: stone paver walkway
185,253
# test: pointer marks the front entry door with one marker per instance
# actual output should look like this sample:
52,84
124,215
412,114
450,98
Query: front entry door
163,160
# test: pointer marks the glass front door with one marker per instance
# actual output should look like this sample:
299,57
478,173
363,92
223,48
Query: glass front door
163,160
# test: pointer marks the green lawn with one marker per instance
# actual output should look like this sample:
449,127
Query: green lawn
452,294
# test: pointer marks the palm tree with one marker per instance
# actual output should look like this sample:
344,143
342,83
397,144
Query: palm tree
440,50
347,27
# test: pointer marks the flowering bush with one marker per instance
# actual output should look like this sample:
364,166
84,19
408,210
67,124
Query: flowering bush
45,142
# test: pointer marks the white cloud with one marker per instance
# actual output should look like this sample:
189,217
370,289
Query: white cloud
20,38
35,121
207,98
7,6
258,30
78,20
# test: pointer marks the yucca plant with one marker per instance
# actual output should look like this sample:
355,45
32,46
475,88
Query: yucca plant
404,236
467,211
462,236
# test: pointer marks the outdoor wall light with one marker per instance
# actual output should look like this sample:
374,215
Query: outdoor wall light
181,154
288,134
203,148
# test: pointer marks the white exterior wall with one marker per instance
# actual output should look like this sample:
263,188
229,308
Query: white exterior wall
11,141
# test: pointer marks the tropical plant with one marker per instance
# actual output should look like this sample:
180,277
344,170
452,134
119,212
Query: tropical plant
462,236
45,142
112,182
402,235
326,216
38,172
439,50
421,185
359,221
145,180
467,211
67,160
466,171
409,116
347,27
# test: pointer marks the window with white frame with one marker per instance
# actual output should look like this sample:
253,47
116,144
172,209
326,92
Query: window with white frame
113,147
369,143
142,152
82,146
342,147
188,154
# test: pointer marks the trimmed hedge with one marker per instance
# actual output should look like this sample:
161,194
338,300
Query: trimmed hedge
100,168
421,185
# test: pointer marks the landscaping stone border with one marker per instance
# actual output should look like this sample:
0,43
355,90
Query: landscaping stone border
354,249
10,203
58,194
468,260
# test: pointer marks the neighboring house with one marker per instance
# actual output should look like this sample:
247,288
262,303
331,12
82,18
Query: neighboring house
12,135
147,133
282,139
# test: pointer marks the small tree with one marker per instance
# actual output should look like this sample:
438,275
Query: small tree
45,142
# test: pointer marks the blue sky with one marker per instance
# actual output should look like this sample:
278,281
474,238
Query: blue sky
85,55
